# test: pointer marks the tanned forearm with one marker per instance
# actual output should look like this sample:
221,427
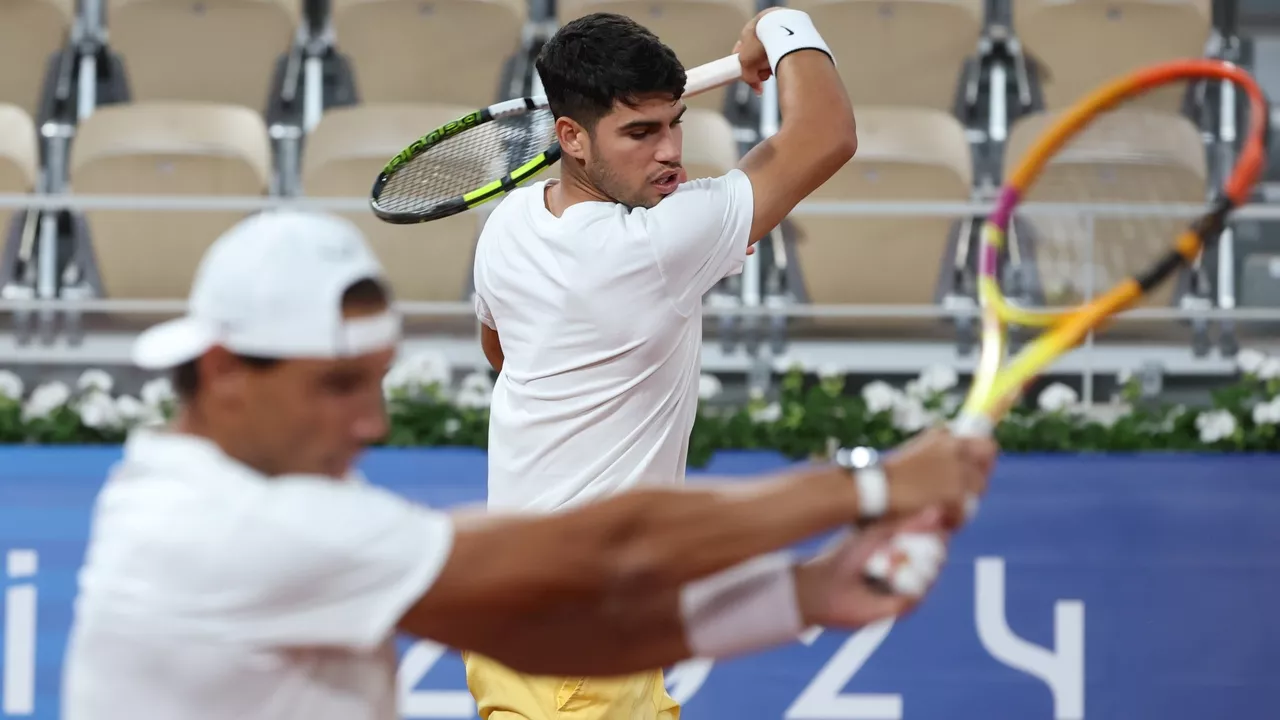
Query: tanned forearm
636,544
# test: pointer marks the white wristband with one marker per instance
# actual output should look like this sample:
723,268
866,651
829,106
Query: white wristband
873,491
786,30
751,606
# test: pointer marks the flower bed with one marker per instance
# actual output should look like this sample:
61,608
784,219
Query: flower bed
810,415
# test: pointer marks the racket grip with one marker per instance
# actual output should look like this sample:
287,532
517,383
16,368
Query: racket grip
971,425
712,75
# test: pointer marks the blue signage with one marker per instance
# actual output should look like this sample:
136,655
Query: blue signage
1098,588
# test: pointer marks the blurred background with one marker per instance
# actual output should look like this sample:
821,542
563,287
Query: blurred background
133,131
1122,586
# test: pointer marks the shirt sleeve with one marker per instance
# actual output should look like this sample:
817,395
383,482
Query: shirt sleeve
335,564
700,234
482,311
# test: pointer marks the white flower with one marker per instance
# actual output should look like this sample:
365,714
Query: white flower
45,399
910,415
98,411
709,387
1249,361
10,385
155,393
1108,415
1058,397
938,379
133,411
418,371
95,381
767,414
1270,369
1215,425
879,396
476,391
830,371
915,389
1267,413
452,426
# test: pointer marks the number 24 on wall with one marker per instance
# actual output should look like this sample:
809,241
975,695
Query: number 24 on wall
1060,668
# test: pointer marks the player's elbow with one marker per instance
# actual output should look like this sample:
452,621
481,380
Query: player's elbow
845,142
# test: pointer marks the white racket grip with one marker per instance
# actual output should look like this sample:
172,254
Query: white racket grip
971,425
712,75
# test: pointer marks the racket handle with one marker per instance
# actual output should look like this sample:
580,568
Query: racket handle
971,425
712,75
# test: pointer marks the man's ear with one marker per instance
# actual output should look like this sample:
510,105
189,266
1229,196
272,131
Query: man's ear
573,138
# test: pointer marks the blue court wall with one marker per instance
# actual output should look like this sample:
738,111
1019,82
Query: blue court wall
1099,587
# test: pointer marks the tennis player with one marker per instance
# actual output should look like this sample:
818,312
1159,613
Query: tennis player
589,290
240,567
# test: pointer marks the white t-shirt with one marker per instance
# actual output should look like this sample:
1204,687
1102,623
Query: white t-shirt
210,592
599,313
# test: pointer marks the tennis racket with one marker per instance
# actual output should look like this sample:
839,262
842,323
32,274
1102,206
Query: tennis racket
998,382
480,156
1152,257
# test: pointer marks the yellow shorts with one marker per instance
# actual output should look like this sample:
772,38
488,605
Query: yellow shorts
504,694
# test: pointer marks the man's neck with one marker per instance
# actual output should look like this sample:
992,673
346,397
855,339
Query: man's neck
570,189
191,422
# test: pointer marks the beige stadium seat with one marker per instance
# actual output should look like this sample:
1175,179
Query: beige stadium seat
1083,44
699,31
904,53
164,148
345,152
437,51
30,32
222,51
903,156
18,158
1134,155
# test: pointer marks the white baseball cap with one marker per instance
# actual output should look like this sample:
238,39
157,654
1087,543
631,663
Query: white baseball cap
272,286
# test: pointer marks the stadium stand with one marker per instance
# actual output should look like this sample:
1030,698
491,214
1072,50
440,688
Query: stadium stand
31,31
444,51
1136,155
900,53
1122,35
904,155
280,98
213,50
18,170
345,151
163,148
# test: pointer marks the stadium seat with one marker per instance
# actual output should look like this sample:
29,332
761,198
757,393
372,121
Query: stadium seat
699,31
30,32
345,152
18,159
1134,155
904,155
1082,44
164,148
899,53
437,51
222,51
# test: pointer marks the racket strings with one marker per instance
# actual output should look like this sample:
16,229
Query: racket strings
468,161
1132,158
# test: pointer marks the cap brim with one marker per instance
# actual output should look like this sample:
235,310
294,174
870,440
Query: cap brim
172,343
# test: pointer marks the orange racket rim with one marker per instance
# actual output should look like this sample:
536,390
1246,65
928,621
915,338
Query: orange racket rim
994,391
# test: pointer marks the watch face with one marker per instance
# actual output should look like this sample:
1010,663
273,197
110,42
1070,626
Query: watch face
861,457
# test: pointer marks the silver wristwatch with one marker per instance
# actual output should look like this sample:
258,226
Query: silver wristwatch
869,475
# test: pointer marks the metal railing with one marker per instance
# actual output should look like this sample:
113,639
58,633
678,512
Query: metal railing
870,356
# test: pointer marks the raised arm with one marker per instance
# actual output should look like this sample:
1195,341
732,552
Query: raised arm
817,135
634,566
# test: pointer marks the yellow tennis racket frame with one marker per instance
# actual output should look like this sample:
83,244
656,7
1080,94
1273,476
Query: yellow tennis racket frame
996,385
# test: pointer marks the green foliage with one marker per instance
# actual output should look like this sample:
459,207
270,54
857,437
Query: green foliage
807,416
